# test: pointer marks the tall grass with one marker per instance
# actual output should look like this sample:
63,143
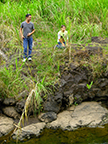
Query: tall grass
12,81
83,18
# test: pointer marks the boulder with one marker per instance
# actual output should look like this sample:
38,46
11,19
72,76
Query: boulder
9,101
6,125
1,101
87,114
99,40
11,112
47,117
20,105
51,106
53,103
29,131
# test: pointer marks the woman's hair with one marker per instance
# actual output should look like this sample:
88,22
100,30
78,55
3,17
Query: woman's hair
27,15
63,26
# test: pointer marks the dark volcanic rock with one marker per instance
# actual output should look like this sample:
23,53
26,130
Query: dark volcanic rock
1,101
52,106
20,105
58,97
47,117
94,50
99,40
53,103
9,101
11,112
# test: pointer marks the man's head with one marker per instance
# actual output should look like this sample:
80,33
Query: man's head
28,17
63,28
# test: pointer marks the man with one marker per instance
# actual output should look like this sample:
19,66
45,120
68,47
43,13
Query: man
26,35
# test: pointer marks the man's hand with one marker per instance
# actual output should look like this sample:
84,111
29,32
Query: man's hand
22,37
29,34
63,44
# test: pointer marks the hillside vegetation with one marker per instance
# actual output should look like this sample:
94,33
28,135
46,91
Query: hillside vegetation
83,19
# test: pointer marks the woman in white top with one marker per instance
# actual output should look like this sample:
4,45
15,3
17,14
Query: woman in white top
62,37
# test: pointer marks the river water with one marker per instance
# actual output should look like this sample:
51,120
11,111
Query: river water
80,136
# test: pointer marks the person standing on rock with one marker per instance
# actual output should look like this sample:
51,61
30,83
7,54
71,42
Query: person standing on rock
26,35
62,38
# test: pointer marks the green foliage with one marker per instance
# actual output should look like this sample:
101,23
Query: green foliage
90,85
75,103
11,80
83,18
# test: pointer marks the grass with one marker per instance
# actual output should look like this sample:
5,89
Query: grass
83,19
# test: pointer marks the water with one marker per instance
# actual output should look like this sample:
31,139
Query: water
80,136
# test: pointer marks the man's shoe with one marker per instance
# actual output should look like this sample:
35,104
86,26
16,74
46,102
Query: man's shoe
24,60
29,58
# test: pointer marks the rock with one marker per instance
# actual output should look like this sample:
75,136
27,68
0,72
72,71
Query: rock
1,101
9,101
102,83
20,105
87,114
11,112
58,97
106,74
47,117
51,106
29,131
99,40
53,103
6,125
102,94
71,99
94,50
62,82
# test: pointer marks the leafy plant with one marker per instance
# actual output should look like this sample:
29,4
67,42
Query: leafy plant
90,85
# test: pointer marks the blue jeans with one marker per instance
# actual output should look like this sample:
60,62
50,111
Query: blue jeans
60,45
27,41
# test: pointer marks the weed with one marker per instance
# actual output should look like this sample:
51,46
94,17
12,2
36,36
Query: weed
90,85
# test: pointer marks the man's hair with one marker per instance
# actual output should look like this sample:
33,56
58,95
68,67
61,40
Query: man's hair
27,15
63,26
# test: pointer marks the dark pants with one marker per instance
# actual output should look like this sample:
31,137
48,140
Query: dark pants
60,45
27,41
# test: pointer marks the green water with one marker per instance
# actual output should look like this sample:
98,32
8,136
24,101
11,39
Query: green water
80,136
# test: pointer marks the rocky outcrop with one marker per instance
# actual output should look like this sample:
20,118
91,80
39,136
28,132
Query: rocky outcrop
47,117
72,88
6,125
99,40
20,105
11,112
9,101
29,131
87,114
